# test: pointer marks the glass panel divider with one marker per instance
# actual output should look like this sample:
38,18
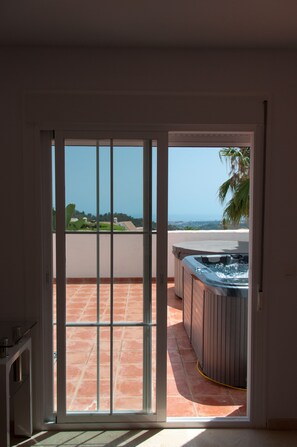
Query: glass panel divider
60,275
147,275
98,274
111,274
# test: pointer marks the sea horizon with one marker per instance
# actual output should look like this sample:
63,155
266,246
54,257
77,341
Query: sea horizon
193,218
179,217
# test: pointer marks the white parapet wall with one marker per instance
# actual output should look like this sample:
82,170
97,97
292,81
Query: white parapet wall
128,252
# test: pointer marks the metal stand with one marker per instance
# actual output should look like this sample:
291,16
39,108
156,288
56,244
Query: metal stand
18,388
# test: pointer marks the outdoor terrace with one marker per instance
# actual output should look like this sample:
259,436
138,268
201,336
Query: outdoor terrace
189,394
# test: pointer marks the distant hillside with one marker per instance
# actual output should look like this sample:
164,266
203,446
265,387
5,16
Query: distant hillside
202,225
172,225
121,217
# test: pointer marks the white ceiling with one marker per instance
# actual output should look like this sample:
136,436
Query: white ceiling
153,23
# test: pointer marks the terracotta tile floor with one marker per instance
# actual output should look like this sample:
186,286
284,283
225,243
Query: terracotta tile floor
188,393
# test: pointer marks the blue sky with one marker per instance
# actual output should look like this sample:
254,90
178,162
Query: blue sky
195,175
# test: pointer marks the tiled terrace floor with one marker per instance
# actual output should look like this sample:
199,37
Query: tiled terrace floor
188,393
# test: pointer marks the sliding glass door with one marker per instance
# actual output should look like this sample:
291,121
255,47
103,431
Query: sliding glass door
109,228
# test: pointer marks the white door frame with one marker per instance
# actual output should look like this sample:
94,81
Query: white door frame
161,271
257,314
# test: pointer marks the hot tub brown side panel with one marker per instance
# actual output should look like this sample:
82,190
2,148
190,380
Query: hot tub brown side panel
187,302
225,339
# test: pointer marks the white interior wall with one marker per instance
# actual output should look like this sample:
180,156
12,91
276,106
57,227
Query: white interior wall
224,74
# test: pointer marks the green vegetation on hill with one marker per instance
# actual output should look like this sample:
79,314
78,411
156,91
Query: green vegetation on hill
80,221
121,217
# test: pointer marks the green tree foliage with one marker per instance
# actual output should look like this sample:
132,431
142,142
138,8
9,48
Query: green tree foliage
238,184
78,221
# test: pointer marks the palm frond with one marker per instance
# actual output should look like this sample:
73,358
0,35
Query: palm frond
238,184
224,189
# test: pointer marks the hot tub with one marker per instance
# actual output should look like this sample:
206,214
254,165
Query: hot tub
215,314
182,249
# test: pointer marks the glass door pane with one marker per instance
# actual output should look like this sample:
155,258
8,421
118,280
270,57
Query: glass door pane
106,300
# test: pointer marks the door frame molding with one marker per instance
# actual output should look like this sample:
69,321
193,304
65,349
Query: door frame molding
161,274
257,320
